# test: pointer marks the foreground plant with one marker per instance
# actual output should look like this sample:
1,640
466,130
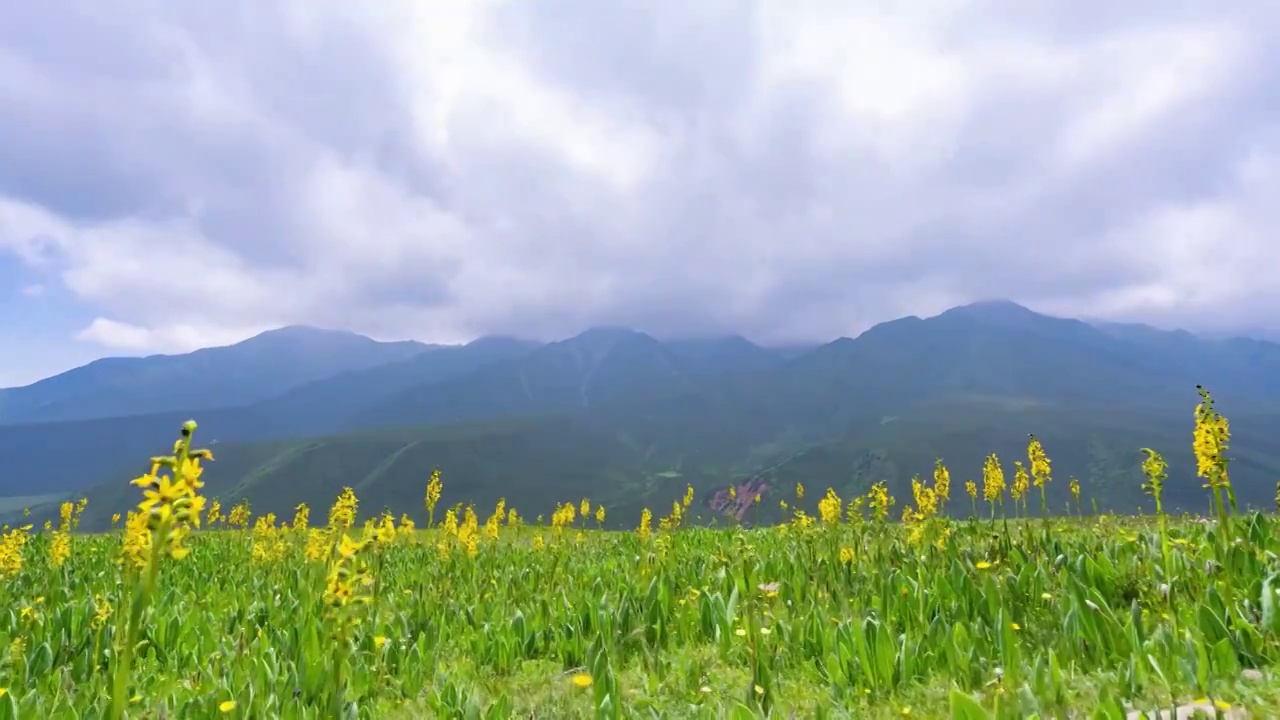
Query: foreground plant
169,508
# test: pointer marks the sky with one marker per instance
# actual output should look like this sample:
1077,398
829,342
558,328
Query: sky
179,175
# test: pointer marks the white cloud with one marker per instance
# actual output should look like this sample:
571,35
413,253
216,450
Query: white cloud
442,170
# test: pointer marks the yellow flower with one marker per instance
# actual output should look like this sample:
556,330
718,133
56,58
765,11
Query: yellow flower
992,479
379,641
1021,481
941,481
982,565
582,680
227,706
1040,472
830,508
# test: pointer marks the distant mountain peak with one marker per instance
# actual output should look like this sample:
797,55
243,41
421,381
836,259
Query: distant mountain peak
608,331
300,332
994,308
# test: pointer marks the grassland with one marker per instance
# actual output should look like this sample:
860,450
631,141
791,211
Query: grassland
876,607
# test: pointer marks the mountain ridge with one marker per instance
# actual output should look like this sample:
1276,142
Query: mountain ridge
621,416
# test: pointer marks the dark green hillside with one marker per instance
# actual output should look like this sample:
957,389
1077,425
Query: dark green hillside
324,406
601,367
535,462
253,370
622,418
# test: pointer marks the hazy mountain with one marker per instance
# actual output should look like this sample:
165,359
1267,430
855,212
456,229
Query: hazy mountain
255,369
626,419
597,368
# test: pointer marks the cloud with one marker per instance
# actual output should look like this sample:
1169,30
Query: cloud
194,172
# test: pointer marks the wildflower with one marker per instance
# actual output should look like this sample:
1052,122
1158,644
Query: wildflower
60,548
226,706
646,518
301,516
346,588
941,482
926,498
1155,469
81,504
599,515
495,520
993,484
1210,441
318,545
830,508
137,540
10,550
879,500
239,516
582,680
342,514
215,512
468,532
268,544
407,526
799,491
1021,481
1039,461
434,487
101,612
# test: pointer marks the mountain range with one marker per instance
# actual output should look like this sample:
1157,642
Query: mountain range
628,420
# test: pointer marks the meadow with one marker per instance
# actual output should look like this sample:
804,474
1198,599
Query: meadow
953,602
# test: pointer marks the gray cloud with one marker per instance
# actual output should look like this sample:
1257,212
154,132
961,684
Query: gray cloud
788,171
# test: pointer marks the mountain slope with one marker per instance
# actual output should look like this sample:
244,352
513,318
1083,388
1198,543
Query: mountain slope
533,463
255,369
615,414
600,367
113,445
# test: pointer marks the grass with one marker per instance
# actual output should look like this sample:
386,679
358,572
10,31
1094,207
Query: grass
850,614
1040,619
